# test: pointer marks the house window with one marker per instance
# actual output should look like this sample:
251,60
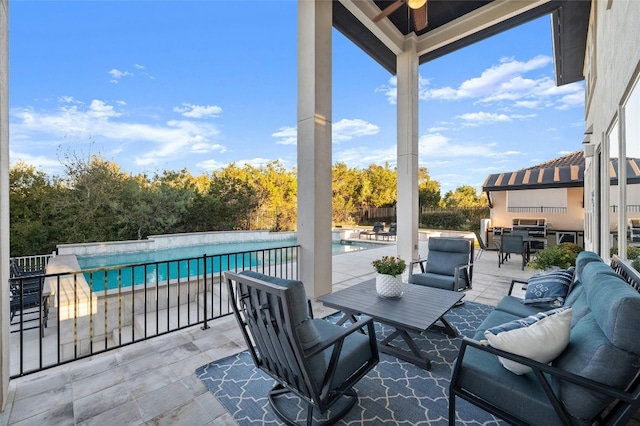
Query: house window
552,200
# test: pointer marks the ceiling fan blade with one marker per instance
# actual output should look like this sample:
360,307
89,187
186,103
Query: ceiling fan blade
388,10
420,17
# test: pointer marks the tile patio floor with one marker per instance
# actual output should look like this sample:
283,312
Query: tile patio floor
154,382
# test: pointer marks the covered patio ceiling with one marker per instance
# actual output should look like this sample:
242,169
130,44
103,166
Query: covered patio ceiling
454,24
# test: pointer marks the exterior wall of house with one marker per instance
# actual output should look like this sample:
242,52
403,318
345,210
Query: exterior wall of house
571,220
612,67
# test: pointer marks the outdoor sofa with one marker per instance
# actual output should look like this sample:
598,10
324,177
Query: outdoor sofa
588,347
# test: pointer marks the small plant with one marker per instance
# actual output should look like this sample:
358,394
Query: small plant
389,265
636,264
562,256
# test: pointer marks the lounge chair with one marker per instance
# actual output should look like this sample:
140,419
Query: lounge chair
449,265
312,360
28,298
378,227
391,233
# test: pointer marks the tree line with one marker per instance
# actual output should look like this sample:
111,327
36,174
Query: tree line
95,200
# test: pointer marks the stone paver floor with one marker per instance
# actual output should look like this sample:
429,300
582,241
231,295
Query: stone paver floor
154,382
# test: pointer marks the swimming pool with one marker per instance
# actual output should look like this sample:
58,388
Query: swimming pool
148,267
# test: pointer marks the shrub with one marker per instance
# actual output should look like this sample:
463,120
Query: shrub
632,252
443,220
562,256
636,264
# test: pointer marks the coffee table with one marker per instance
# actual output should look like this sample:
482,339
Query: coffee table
419,309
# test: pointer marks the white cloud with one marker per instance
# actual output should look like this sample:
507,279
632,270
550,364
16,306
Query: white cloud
437,145
286,135
198,111
343,130
480,118
153,143
504,82
347,129
116,75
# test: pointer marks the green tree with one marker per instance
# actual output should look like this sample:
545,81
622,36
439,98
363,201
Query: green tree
383,182
30,192
464,196
428,190
349,190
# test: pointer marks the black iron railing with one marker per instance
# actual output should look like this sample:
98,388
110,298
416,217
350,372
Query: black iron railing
57,318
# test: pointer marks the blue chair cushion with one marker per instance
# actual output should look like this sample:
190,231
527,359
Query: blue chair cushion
445,254
548,290
514,306
356,351
304,327
444,282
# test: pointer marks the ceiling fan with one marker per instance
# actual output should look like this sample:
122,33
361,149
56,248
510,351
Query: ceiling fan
418,7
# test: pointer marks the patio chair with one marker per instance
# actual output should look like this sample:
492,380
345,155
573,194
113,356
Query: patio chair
378,227
449,264
512,244
313,359
390,233
491,246
28,299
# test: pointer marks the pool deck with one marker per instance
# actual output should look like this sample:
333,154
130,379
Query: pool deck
154,383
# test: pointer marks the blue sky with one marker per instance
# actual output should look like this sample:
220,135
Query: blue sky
167,85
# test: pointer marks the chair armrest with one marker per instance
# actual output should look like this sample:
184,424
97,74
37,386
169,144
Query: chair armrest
514,282
364,321
457,276
421,262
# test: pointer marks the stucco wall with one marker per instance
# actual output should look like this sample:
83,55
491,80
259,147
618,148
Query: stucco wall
611,68
572,220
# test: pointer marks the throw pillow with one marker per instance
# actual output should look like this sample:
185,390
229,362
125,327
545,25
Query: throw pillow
540,337
549,290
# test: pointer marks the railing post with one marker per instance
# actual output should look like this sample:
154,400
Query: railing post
204,278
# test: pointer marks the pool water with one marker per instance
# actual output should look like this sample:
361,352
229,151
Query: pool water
150,267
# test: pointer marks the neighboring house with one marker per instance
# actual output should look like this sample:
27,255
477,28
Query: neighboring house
550,194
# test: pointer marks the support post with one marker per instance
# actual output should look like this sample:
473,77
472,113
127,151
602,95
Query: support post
314,145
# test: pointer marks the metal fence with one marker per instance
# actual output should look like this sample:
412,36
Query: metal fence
62,317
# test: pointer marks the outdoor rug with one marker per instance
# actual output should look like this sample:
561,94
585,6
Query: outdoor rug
395,392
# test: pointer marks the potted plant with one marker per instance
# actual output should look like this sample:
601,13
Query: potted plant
389,278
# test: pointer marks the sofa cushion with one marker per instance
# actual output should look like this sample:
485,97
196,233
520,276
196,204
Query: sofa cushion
591,355
480,373
514,306
541,337
616,306
548,290
583,259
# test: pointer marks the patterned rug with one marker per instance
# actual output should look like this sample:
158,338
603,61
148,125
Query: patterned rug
393,393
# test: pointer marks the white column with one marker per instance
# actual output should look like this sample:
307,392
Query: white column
314,145
407,207
4,203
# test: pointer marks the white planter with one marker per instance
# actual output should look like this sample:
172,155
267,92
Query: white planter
388,285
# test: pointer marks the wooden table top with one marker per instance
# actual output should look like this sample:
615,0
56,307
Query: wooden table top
417,309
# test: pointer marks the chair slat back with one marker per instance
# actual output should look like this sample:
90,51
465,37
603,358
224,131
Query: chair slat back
512,244
264,310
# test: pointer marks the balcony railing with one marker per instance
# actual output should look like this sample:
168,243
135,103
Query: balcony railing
62,317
